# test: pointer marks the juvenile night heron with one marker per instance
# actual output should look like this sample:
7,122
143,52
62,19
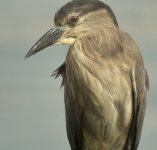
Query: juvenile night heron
104,78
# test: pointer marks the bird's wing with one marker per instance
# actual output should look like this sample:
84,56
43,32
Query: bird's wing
73,123
73,114
140,83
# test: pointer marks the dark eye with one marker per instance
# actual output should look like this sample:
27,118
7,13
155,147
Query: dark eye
74,19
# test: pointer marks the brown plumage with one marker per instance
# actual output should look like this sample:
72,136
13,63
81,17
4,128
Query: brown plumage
104,78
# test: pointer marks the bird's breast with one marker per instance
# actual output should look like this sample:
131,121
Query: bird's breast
103,92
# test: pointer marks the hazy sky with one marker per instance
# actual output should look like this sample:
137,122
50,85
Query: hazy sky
31,103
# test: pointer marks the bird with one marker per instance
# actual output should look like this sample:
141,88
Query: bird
103,75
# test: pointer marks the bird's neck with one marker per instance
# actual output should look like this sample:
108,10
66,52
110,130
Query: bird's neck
104,41
90,51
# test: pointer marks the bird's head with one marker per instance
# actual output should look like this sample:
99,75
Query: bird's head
75,19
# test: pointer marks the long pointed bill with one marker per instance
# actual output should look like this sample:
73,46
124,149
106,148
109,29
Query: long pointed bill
48,39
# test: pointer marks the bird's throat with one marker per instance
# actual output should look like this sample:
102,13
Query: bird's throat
66,41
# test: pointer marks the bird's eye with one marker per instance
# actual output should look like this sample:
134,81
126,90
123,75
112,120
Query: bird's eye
74,19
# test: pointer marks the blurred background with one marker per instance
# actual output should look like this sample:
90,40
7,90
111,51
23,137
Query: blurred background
31,102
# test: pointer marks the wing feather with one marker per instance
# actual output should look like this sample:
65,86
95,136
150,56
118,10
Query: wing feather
73,123
140,83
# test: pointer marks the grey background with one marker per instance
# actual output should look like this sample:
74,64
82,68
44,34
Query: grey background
31,103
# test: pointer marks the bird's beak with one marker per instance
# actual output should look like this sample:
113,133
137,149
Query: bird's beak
49,38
